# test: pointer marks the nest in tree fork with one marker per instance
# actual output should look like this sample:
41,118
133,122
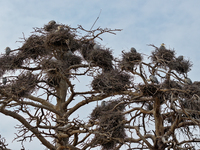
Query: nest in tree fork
149,89
34,47
110,124
10,62
130,60
24,85
63,40
162,56
192,91
101,58
194,106
113,81
181,67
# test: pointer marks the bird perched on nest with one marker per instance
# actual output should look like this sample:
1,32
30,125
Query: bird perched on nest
162,47
52,22
8,50
180,58
4,80
103,103
188,81
153,79
59,28
133,50
96,47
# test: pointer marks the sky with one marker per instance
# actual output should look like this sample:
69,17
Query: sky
175,23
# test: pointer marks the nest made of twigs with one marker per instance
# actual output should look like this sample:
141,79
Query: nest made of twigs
51,27
171,84
193,105
149,89
113,81
10,62
97,112
25,84
162,56
102,58
62,39
192,90
34,47
181,67
55,69
130,60
110,123
72,60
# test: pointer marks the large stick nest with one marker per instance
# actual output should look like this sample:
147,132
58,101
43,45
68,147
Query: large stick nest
101,58
181,67
55,69
130,60
10,62
162,56
192,91
110,124
149,89
62,39
24,85
194,106
113,81
34,47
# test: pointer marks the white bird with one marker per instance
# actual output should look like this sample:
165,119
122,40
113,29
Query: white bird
4,80
59,28
188,81
133,50
52,22
96,47
153,79
8,50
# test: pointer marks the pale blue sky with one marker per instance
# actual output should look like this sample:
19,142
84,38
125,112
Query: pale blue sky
176,23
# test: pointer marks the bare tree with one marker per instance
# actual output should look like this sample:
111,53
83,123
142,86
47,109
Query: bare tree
37,90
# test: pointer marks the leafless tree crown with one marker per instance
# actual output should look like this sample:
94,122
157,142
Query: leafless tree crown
145,105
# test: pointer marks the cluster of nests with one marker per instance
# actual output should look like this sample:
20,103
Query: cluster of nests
113,81
57,38
111,124
166,58
130,60
23,85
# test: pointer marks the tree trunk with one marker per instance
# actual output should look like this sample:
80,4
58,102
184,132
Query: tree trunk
159,129
61,93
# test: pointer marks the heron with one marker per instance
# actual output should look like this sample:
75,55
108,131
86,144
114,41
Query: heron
188,81
153,79
52,22
96,47
133,50
4,80
180,58
8,50
103,103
